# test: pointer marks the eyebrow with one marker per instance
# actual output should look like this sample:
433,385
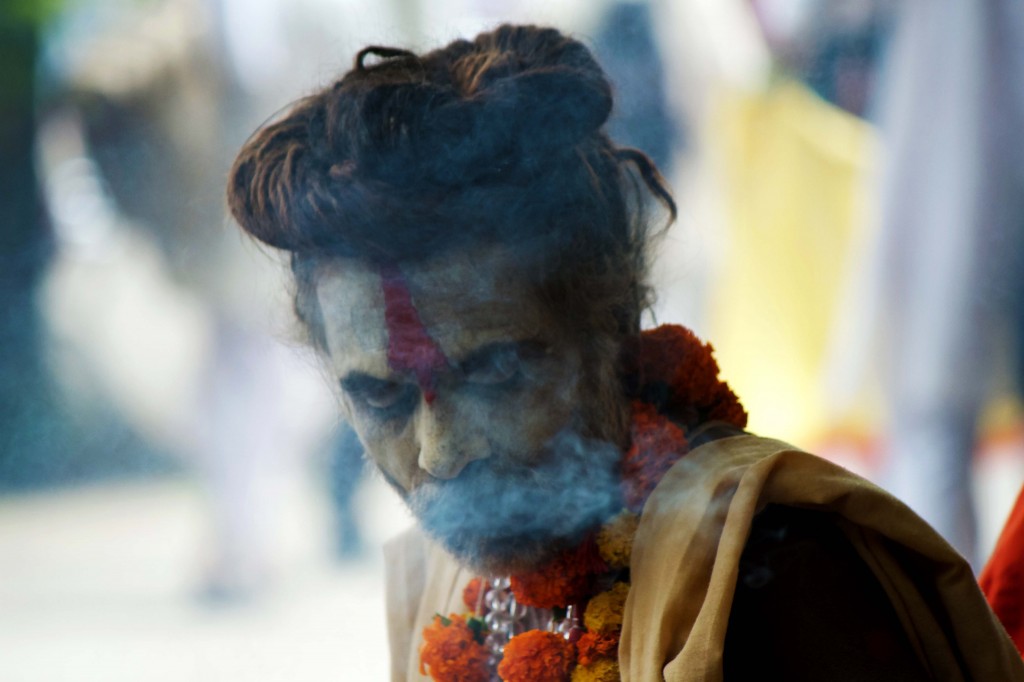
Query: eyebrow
524,349
358,382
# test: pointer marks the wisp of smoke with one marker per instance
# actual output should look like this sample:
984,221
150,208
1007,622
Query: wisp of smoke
501,518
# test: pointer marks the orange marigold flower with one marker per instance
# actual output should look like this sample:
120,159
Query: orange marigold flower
604,670
673,356
472,593
565,580
537,656
452,652
604,612
594,645
657,444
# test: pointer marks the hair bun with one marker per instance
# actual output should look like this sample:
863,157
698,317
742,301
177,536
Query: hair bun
558,105
504,106
513,126
514,101
476,135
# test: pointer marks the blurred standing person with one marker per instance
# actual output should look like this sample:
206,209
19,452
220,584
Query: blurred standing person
788,168
30,421
1002,578
159,112
627,46
951,214
469,254
345,468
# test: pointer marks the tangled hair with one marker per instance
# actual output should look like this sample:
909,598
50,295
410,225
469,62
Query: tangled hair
498,141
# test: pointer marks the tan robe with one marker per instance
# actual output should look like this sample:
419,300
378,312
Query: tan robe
686,561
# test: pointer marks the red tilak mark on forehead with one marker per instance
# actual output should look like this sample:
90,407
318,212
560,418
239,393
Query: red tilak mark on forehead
410,348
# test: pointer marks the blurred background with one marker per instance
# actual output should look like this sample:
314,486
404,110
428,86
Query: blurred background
177,498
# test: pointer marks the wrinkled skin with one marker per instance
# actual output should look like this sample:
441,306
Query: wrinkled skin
504,466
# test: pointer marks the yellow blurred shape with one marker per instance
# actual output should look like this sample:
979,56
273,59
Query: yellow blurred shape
793,169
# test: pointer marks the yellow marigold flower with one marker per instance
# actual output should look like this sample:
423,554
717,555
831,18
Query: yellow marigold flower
604,612
604,670
615,539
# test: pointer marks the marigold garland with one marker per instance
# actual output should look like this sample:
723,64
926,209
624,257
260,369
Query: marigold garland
595,645
672,374
604,612
604,670
537,656
615,539
453,651
676,371
657,444
566,580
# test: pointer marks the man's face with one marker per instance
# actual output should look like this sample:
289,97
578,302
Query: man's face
494,452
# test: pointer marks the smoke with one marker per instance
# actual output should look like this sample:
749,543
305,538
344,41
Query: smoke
501,518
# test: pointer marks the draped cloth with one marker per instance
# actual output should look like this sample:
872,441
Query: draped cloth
686,561
1002,579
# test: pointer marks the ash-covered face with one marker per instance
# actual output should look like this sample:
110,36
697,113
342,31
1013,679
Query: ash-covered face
499,447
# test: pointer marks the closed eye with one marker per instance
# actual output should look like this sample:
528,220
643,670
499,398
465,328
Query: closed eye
496,366
386,399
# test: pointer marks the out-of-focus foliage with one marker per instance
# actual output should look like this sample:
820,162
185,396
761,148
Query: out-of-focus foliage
32,12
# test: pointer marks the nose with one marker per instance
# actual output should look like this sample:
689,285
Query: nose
448,441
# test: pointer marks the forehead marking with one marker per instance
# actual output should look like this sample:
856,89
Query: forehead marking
410,347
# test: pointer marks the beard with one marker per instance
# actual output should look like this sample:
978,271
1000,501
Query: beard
499,518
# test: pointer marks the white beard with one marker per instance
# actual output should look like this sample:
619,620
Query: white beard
499,519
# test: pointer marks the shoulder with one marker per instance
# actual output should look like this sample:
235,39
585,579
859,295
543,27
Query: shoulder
410,544
421,580
405,561
806,606
740,510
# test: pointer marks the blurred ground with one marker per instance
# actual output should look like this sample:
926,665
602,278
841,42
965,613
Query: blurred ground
100,584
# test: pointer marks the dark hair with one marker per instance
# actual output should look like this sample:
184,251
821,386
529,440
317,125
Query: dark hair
495,141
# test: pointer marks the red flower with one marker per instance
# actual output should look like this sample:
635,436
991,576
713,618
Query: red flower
565,580
537,656
594,645
657,444
452,651
673,355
